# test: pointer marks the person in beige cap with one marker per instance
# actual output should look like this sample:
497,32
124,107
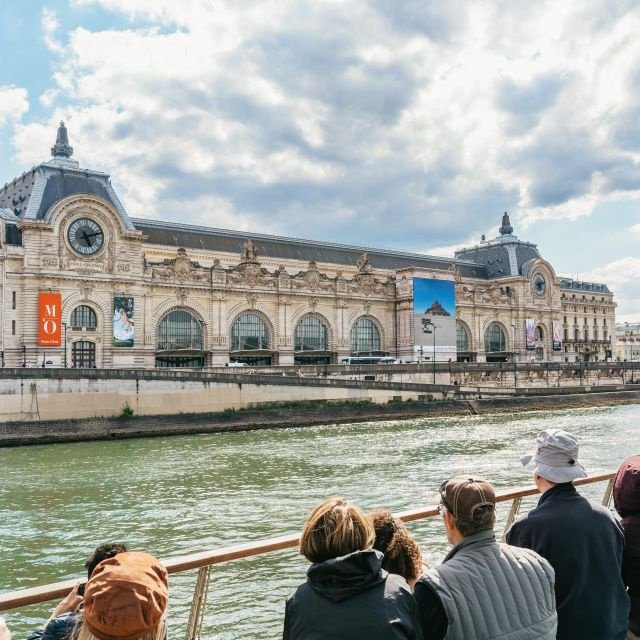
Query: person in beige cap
125,599
582,541
483,589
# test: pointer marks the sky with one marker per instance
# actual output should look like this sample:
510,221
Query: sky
400,124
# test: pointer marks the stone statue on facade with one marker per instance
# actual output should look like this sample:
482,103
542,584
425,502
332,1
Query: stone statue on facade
249,252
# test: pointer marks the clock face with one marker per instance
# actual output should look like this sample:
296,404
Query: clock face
85,236
539,284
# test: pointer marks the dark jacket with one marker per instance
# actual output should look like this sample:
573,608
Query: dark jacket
59,628
352,598
626,497
584,544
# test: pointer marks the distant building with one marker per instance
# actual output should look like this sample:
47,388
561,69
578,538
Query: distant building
627,342
84,284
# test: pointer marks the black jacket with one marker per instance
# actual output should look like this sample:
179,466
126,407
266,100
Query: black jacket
352,598
583,543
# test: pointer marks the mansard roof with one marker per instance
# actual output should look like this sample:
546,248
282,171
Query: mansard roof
583,287
275,247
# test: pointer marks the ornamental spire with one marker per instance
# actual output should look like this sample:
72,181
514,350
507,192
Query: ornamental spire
62,147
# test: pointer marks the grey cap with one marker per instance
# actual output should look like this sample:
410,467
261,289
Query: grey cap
555,458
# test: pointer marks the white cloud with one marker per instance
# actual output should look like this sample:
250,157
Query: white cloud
50,25
14,103
623,278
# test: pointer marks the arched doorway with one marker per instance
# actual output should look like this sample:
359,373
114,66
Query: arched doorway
251,340
179,341
495,344
83,354
311,341
365,338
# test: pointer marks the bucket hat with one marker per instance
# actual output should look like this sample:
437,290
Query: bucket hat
555,458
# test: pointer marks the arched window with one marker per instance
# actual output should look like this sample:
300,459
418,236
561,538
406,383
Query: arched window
462,338
179,331
249,332
83,316
494,339
539,333
311,335
365,336
83,354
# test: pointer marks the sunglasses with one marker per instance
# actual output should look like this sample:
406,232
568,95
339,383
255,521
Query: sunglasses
443,500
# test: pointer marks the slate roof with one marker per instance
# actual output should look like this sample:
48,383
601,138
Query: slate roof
207,239
588,287
502,257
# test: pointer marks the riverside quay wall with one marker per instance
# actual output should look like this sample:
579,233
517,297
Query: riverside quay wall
60,394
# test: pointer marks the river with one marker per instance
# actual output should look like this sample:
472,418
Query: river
178,495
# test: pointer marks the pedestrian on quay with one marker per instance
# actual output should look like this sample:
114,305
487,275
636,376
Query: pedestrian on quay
402,554
483,590
67,614
582,541
125,599
347,595
626,498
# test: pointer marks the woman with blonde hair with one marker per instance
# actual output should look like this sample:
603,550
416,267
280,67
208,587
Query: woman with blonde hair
125,599
402,554
347,594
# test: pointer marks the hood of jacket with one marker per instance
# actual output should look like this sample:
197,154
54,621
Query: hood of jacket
626,488
343,577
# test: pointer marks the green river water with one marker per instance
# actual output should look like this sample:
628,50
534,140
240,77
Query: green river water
180,495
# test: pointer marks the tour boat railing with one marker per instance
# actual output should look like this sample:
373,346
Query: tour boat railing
205,560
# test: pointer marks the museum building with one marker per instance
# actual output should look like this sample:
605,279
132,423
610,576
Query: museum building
85,285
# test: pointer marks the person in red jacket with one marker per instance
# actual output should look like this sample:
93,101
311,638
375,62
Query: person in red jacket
626,497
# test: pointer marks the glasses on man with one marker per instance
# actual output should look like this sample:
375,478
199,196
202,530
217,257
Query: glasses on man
443,501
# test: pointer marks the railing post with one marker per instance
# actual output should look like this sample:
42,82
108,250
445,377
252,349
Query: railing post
196,616
608,492
513,514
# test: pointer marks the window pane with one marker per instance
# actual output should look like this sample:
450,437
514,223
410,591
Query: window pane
249,332
83,355
179,330
365,336
311,335
83,316
494,339
462,338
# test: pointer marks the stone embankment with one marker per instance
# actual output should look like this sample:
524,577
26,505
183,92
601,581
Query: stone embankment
292,415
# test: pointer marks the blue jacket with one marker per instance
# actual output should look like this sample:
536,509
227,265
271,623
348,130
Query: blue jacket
59,628
583,543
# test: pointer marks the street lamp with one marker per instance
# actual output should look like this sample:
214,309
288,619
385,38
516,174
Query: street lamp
64,324
429,327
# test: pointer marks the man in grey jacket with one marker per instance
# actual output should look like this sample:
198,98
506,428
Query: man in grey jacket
484,589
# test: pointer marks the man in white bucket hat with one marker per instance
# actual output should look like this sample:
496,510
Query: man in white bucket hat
581,540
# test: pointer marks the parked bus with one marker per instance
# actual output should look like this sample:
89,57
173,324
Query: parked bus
369,360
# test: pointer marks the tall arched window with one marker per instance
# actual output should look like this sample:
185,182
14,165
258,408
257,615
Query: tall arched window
179,331
365,336
494,339
249,332
462,338
83,316
311,335
539,333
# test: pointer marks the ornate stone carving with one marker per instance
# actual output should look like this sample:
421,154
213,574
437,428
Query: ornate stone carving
312,279
86,288
180,268
313,302
182,295
252,299
249,252
250,274
363,264
218,274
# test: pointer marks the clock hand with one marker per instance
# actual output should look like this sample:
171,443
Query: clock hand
86,238
90,235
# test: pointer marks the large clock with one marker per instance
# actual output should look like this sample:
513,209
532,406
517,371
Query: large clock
539,284
85,236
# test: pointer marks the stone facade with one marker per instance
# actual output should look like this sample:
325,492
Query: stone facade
216,276
627,345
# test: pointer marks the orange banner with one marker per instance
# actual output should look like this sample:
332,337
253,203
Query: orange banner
50,320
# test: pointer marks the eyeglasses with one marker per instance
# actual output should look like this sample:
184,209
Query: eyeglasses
443,500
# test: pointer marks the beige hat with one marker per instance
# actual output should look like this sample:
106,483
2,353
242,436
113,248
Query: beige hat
555,458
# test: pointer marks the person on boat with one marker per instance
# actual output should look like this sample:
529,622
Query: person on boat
347,594
626,498
125,599
402,554
483,589
65,616
582,541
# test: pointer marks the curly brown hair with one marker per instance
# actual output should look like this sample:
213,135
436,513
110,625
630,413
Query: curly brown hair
402,554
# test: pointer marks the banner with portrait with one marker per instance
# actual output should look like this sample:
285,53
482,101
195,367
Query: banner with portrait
434,318
557,336
530,332
123,323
